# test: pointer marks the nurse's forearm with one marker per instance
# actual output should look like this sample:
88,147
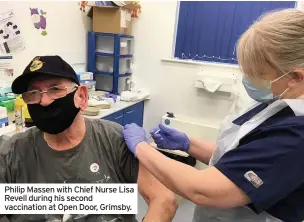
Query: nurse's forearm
201,150
207,187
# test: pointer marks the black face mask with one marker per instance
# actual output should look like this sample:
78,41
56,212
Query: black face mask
56,117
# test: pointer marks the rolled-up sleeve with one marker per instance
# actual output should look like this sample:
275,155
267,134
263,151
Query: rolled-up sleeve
127,163
266,165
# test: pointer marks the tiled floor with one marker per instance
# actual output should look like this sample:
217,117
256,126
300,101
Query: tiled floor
183,214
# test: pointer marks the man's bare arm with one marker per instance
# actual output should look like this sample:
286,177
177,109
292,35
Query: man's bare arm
162,203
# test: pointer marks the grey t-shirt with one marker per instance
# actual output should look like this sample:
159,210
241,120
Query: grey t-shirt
27,158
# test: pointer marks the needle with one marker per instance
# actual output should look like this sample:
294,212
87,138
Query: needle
153,134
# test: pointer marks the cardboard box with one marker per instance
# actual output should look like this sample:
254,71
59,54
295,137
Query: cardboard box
111,19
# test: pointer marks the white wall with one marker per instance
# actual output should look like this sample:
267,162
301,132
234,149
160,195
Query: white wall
67,29
171,84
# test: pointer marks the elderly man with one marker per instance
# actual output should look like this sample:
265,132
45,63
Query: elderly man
65,147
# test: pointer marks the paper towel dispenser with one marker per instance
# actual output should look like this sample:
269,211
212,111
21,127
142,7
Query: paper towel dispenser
216,82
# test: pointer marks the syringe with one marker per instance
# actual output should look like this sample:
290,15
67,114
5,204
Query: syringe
153,134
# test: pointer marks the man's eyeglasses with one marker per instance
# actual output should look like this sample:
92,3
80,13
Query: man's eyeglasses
54,92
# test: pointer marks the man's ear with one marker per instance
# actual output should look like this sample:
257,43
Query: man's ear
81,97
297,77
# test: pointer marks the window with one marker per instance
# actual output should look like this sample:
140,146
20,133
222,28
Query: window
209,31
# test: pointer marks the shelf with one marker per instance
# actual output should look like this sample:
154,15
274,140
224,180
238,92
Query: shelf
104,54
6,57
113,35
112,54
125,75
126,36
104,34
111,74
103,73
126,56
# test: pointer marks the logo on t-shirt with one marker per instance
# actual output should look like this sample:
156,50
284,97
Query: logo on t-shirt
254,179
94,167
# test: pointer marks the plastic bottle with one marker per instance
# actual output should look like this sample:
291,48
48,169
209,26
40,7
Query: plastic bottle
19,114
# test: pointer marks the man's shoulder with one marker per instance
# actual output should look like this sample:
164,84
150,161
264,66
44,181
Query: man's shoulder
27,135
108,134
18,141
105,126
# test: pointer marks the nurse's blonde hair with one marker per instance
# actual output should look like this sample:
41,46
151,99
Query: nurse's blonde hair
275,40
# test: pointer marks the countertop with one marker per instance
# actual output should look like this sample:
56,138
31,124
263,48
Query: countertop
119,105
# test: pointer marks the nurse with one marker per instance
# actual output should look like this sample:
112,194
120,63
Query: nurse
256,168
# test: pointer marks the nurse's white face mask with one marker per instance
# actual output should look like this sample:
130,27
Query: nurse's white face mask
263,95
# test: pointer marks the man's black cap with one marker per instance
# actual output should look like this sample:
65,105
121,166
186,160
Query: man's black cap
43,66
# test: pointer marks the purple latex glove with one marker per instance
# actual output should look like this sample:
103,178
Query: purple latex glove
113,96
133,135
171,139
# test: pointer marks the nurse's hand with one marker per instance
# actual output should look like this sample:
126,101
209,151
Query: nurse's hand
172,139
133,135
